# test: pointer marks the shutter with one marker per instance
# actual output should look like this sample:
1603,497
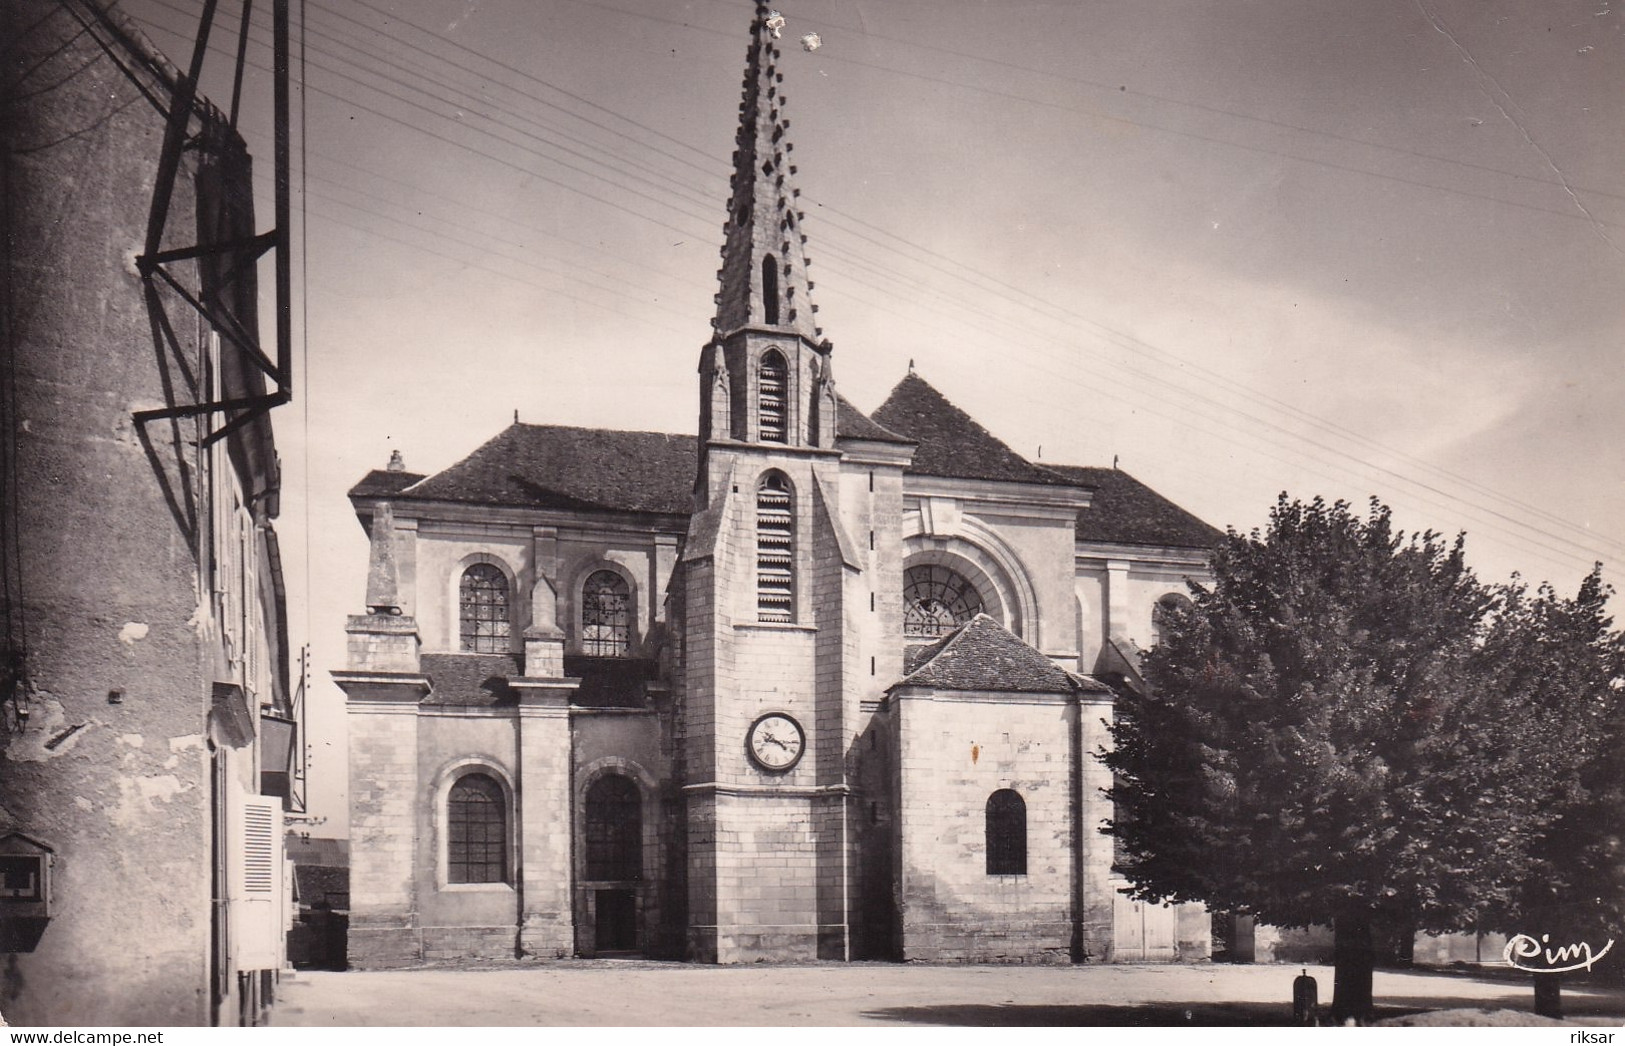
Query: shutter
254,900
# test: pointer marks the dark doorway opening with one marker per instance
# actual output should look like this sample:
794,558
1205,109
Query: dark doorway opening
617,922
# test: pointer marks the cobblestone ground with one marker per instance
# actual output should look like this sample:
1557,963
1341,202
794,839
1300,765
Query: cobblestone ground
634,993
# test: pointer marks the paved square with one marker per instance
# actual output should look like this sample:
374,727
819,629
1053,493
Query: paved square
608,992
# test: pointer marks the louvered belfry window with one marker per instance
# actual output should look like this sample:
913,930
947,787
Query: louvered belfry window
476,831
775,573
771,397
483,610
605,615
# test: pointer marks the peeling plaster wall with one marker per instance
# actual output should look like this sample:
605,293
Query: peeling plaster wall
121,790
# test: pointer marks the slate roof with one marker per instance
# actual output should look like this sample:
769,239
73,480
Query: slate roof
559,466
1126,511
322,885
611,682
381,483
984,655
951,443
852,423
470,680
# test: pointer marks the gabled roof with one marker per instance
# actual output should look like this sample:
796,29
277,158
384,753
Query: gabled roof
470,680
1126,511
558,466
984,655
951,443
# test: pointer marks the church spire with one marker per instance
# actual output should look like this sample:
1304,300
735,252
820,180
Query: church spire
764,263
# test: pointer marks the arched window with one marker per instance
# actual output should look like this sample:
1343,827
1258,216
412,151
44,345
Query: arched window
936,601
476,831
1166,608
771,392
614,829
483,609
606,613
770,289
775,572
1006,833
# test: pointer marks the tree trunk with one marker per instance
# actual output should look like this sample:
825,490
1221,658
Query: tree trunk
1354,957
1549,995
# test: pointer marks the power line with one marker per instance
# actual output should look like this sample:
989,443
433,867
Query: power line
1051,104
956,275
1208,373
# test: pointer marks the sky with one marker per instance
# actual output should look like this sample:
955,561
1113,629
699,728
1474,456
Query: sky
1237,247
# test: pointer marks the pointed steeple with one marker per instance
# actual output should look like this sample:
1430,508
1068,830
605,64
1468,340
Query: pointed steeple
764,263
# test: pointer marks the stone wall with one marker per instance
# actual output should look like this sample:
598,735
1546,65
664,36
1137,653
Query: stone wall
954,751
631,743
123,643
385,795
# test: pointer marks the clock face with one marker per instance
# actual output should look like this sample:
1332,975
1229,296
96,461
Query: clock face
775,742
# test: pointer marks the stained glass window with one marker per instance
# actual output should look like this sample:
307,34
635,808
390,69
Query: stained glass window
476,831
936,601
606,614
483,610
614,829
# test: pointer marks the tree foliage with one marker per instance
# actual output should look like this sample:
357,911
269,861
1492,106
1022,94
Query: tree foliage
1565,657
1348,727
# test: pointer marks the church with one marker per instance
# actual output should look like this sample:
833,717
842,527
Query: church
812,684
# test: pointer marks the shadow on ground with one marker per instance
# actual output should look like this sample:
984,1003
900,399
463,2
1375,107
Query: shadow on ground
1194,1014
1159,1015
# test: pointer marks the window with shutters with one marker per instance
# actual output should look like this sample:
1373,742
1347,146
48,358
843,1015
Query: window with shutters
606,615
254,886
476,831
772,389
614,829
483,622
259,849
1006,833
775,571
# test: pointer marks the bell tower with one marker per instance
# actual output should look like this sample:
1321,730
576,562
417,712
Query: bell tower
764,713
765,375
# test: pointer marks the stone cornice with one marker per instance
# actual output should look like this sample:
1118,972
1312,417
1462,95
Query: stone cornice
496,517
1095,553
1024,499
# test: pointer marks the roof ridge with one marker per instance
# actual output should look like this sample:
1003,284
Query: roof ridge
944,645
951,442
594,428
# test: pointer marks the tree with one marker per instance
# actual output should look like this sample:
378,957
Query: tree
1563,655
1315,744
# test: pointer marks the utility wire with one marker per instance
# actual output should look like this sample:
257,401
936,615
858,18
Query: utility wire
1209,373
957,276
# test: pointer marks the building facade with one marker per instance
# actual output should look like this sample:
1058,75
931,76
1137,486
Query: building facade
145,639
812,684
